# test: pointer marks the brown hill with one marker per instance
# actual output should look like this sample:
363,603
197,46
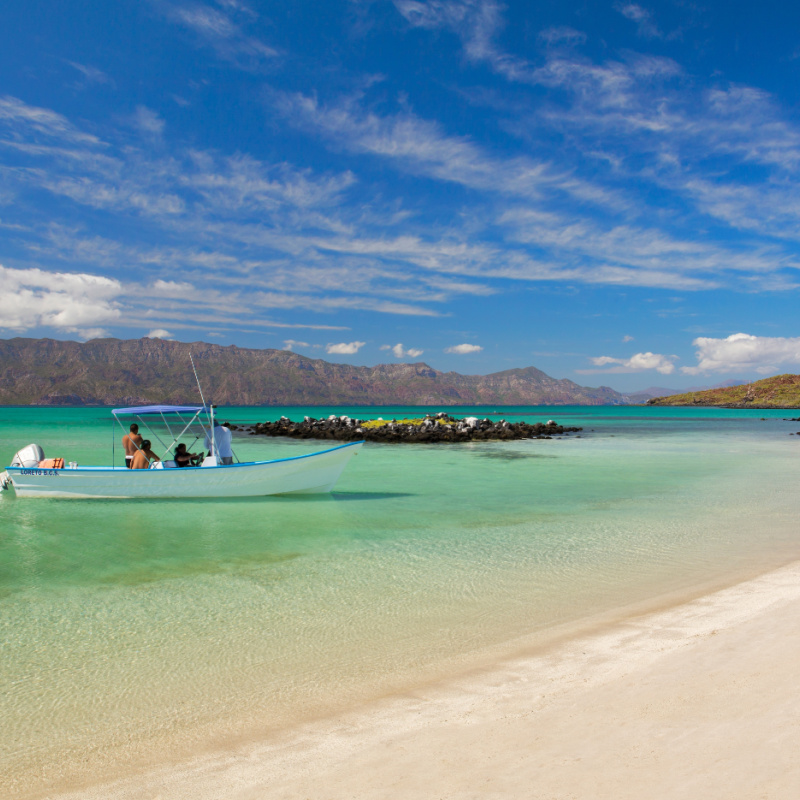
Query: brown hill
137,371
782,391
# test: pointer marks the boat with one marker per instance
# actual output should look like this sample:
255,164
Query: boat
31,475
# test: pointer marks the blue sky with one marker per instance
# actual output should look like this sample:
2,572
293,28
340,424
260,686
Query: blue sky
605,190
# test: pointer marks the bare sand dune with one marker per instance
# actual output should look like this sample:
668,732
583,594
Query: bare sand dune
697,701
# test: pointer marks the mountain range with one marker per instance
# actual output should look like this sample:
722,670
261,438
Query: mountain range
121,372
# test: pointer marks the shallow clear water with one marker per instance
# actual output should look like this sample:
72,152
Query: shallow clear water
135,627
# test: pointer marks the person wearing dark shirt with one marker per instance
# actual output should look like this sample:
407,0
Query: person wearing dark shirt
183,458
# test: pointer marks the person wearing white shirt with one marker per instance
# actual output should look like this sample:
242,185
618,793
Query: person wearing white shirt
222,440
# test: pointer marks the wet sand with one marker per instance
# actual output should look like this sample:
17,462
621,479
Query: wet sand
697,700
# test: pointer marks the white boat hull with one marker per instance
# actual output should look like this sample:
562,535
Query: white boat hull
310,474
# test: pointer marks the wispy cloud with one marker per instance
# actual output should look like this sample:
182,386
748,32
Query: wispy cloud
219,31
626,171
22,118
642,17
561,35
645,116
148,122
423,148
475,22
92,75
243,183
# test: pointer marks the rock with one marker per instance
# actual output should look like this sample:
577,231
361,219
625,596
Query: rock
441,428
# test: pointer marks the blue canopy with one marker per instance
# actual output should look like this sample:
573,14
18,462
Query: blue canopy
160,410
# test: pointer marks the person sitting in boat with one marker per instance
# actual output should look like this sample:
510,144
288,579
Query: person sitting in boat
222,441
131,442
143,456
183,458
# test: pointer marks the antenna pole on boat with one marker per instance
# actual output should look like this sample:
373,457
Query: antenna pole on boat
211,415
213,442
194,369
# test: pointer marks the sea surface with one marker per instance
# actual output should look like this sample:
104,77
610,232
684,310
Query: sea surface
137,631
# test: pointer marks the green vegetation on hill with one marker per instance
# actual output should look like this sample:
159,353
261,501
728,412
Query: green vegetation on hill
782,391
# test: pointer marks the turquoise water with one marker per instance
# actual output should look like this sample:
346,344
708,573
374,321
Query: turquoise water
142,630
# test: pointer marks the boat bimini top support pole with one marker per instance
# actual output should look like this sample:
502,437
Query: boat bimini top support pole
167,448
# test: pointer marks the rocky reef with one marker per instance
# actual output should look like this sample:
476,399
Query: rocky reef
430,429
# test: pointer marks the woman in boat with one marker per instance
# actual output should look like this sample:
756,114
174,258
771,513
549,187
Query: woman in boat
183,458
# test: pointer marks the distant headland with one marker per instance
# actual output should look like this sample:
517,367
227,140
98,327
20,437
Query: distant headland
780,391
107,372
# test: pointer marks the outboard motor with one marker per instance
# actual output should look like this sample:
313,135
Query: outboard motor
29,457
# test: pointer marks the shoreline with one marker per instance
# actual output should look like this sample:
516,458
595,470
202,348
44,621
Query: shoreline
638,702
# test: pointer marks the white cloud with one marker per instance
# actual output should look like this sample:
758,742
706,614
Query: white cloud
243,182
222,34
91,74
160,333
237,225
344,348
561,35
148,121
636,363
741,351
464,349
69,302
20,116
645,109
123,196
91,333
253,223
164,288
642,17
290,344
475,23
400,352
627,338
423,147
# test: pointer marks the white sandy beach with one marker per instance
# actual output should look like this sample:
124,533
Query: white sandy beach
699,700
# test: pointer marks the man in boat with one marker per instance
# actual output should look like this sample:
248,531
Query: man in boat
143,456
131,442
222,441
183,458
